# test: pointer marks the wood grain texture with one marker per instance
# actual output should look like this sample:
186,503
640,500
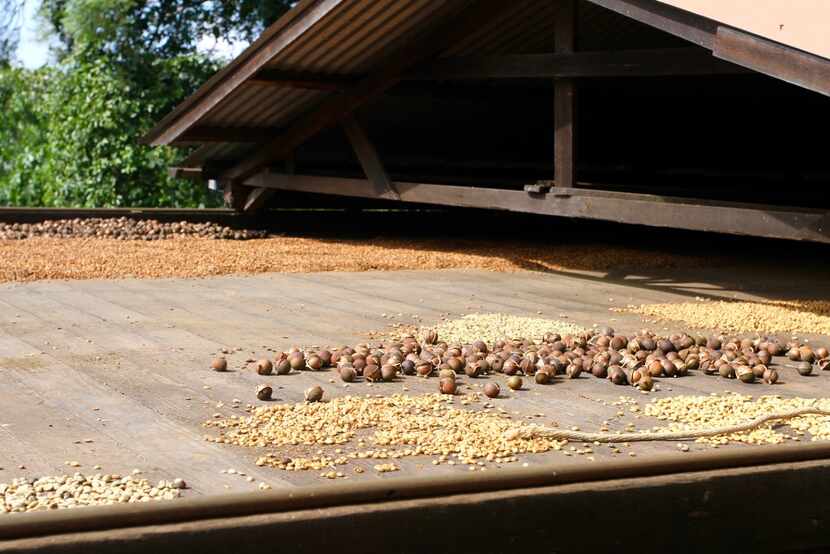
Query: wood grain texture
126,363
771,58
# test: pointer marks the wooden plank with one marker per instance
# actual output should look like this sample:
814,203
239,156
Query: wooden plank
369,159
334,109
564,100
771,58
256,199
698,510
692,27
205,133
642,209
190,173
290,27
622,63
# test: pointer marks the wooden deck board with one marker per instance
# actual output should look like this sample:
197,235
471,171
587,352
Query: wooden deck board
139,352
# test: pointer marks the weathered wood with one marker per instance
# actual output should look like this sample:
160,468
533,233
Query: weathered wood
390,73
202,133
774,59
564,100
692,27
369,160
622,63
701,508
643,209
291,26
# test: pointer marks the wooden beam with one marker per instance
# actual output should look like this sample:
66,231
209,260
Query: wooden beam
204,133
334,109
618,63
774,59
190,173
256,199
276,78
369,159
697,513
686,25
564,100
642,209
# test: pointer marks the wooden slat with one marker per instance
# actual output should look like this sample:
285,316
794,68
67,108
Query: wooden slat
694,28
389,74
564,100
294,24
369,159
774,59
623,63
641,209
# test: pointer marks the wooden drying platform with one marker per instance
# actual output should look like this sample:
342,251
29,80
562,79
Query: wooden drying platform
125,363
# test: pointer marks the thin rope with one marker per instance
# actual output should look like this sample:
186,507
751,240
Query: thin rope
538,431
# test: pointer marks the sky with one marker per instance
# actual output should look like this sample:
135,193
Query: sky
33,49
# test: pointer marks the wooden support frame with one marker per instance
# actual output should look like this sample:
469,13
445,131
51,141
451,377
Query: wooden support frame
564,100
680,23
292,25
339,106
641,209
369,159
771,58
613,63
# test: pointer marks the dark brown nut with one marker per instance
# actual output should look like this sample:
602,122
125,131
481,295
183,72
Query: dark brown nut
314,394
264,392
264,367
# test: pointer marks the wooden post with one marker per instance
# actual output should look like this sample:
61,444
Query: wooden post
564,100
234,195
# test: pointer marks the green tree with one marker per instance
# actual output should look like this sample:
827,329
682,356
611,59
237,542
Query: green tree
70,133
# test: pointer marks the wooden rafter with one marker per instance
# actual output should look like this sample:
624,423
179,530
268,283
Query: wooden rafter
390,73
686,25
293,24
772,58
621,63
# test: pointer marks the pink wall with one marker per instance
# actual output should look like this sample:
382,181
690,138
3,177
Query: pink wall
803,24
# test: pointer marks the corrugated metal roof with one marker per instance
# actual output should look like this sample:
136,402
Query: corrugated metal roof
347,38
354,35
348,43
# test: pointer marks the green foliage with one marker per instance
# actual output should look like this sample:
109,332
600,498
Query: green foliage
69,134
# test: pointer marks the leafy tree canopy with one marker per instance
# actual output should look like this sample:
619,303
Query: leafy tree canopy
69,134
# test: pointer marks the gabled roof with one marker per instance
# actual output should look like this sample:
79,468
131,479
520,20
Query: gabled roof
321,49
